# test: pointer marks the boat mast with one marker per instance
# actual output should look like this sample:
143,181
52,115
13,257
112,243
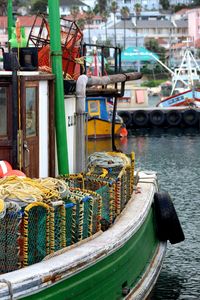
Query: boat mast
188,69
10,18
56,55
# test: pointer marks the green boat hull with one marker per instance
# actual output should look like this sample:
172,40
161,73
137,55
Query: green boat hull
121,263
107,278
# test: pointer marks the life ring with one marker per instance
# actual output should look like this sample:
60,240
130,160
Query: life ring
173,117
157,117
190,117
167,222
140,118
126,116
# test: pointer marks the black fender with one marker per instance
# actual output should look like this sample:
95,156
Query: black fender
140,118
173,117
167,222
190,117
126,116
157,117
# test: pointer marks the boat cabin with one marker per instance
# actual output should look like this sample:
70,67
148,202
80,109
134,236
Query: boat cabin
98,107
133,97
27,122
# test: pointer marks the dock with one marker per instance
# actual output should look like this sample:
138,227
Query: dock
180,117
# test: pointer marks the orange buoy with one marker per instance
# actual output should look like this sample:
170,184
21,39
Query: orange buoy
15,172
123,132
4,167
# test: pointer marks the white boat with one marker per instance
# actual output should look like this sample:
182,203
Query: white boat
185,81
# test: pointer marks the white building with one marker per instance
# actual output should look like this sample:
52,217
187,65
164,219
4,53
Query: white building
66,5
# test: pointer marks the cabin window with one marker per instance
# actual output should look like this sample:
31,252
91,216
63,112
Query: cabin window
3,111
94,108
31,99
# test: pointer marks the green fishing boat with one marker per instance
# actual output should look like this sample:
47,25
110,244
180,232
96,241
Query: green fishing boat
72,227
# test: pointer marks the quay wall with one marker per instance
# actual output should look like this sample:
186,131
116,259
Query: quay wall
181,117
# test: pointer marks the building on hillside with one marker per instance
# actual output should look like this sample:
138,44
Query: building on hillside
95,23
178,2
181,14
145,4
178,50
194,25
166,31
66,5
148,5
89,3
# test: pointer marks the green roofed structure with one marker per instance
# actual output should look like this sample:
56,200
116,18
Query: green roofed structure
133,54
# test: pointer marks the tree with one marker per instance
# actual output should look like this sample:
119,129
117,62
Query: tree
3,6
39,5
74,10
113,9
196,3
102,6
152,45
89,15
138,9
81,23
165,4
105,16
125,13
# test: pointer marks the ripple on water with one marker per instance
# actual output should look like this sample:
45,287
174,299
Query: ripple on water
175,157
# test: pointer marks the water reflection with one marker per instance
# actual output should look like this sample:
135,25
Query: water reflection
174,154
168,286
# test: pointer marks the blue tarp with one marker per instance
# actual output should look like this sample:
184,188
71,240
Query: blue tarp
132,54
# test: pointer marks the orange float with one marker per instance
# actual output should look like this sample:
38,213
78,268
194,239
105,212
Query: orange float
4,167
15,172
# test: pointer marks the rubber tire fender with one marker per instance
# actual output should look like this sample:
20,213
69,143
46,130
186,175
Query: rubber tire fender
167,222
157,117
126,116
140,118
173,117
190,117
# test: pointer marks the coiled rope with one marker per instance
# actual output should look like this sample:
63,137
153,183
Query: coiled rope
108,160
30,190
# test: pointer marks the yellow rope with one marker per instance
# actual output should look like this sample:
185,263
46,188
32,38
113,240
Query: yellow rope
30,190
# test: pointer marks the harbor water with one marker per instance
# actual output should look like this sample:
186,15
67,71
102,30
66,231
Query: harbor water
174,155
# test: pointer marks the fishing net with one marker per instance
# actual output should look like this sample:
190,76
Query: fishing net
57,227
36,232
41,216
82,214
9,238
70,209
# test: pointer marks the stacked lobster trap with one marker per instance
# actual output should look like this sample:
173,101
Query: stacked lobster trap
71,40
41,216
111,175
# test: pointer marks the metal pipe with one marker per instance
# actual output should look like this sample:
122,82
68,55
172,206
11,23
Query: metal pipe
82,82
10,18
56,54
14,66
113,78
80,122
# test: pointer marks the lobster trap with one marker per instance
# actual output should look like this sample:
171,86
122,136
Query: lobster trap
71,40
36,231
83,214
112,177
62,212
10,239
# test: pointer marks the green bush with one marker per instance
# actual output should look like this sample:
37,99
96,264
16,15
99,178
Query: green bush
152,83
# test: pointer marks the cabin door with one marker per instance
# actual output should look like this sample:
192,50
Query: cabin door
30,128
